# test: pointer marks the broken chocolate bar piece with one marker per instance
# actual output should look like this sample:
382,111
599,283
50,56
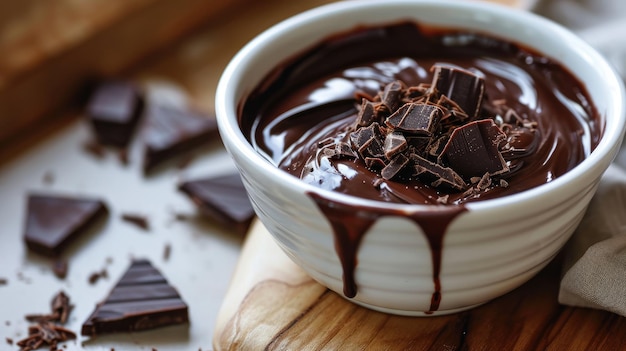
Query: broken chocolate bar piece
421,119
394,143
141,300
223,199
463,87
391,96
394,167
367,114
173,131
437,175
114,110
52,222
472,150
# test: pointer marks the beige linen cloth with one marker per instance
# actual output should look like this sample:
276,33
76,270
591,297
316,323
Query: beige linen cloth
594,267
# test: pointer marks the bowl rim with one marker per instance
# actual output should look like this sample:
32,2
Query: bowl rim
226,105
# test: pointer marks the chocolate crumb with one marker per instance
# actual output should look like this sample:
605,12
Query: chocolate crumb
138,220
95,276
122,154
94,148
48,178
59,267
167,250
9,341
45,333
3,281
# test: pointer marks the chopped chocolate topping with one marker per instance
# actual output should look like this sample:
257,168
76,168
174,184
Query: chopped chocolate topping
436,174
391,95
52,222
394,167
171,131
138,220
223,199
60,307
141,300
394,143
114,110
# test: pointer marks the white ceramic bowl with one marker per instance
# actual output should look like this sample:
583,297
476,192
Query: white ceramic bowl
487,251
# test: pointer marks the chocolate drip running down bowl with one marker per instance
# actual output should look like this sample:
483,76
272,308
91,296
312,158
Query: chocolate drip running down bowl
430,257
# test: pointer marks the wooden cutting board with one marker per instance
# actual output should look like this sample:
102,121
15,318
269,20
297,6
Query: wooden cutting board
273,305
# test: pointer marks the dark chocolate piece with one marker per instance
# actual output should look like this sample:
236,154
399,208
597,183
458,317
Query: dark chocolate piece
394,167
416,118
59,267
223,199
138,220
394,143
473,150
52,222
4,281
391,95
461,86
172,131
114,110
368,141
367,114
437,175
141,300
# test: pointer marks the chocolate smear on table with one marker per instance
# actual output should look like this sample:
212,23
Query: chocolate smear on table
173,131
52,222
141,300
222,198
351,222
137,220
114,110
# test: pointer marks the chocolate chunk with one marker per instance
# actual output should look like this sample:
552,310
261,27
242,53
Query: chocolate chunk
463,87
59,267
394,143
391,96
367,114
137,220
114,110
394,167
223,199
415,118
141,300
368,141
437,175
171,131
52,222
374,163
473,150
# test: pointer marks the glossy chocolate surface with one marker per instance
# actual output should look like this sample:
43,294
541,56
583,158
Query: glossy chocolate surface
316,95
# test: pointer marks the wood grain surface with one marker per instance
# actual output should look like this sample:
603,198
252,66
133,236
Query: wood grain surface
52,50
273,305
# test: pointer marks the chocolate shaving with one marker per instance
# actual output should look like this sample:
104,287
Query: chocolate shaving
138,220
46,331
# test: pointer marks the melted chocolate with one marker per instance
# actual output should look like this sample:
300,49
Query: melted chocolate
315,97
350,223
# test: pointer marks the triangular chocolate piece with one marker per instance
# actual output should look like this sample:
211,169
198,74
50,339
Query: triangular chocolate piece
52,222
171,131
141,300
222,198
